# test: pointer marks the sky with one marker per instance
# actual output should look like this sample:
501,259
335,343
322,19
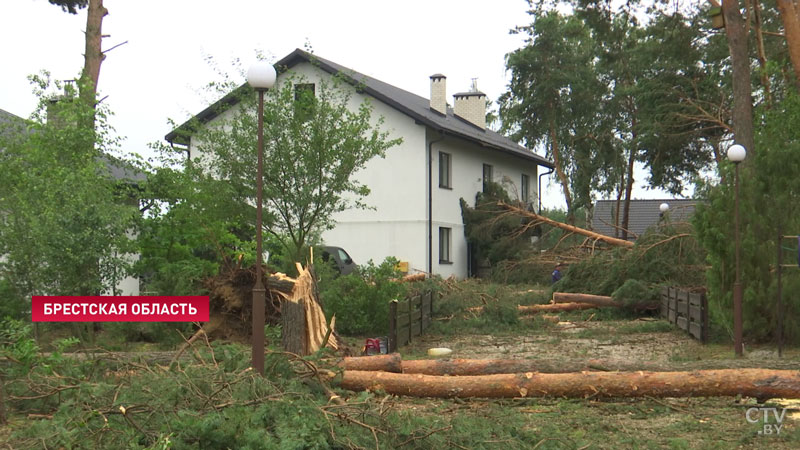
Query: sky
160,73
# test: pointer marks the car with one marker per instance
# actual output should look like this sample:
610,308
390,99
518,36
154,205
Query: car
339,258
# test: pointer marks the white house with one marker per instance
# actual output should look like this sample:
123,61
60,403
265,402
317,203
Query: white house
446,154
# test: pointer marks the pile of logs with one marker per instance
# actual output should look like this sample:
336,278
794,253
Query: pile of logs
518,378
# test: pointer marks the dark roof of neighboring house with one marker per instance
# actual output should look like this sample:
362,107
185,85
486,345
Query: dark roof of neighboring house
117,168
643,214
407,103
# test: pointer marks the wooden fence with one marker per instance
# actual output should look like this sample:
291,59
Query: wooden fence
409,318
687,310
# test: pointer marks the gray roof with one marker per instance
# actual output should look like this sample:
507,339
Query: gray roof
117,168
643,214
410,104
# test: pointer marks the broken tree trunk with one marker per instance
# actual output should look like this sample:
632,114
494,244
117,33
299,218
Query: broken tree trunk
758,383
470,367
305,329
567,227
599,300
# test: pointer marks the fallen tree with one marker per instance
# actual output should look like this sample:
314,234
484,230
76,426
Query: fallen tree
537,219
598,300
759,383
549,307
470,367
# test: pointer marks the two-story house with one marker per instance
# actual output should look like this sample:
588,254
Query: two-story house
447,154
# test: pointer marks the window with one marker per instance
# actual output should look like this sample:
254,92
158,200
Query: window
525,189
304,100
444,170
444,245
487,176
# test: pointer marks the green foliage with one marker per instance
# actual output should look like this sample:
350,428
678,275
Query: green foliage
768,188
664,255
634,293
360,300
494,234
499,314
66,221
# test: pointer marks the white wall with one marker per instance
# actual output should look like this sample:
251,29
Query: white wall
467,180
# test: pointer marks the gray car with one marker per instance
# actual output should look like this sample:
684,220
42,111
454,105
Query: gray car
339,258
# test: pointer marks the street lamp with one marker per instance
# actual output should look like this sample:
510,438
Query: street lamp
261,76
736,154
664,207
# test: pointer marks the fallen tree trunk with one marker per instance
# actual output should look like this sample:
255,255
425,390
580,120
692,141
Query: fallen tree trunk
550,307
554,307
471,367
599,300
567,227
759,383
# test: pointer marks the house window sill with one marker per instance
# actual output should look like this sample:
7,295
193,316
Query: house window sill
446,262
449,188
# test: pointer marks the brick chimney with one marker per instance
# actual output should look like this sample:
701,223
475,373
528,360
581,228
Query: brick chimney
439,93
471,106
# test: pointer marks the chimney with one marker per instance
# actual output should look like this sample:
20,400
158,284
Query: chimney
439,93
57,104
471,106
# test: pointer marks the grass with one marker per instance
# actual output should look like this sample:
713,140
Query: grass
294,408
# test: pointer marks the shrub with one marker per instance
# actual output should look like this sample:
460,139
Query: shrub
361,299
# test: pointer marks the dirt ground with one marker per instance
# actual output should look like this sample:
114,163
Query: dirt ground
676,423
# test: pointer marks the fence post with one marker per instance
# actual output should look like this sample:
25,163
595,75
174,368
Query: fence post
392,345
706,327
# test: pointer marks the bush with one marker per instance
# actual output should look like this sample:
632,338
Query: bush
361,299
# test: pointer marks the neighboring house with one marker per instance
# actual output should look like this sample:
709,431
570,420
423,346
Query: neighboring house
643,215
117,169
447,153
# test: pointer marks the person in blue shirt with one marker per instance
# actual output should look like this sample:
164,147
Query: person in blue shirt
557,272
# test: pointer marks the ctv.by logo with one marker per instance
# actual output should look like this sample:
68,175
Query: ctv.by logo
756,415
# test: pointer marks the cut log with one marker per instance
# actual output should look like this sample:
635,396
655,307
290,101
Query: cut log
550,307
599,300
414,277
554,307
758,383
567,227
387,363
472,367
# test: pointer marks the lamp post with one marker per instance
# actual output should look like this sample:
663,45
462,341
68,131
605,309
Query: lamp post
261,76
736,154
664,207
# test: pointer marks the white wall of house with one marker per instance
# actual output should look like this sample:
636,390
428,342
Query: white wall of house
467,162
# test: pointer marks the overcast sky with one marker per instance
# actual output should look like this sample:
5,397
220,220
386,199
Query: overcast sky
159,74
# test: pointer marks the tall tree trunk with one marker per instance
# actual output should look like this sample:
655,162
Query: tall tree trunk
628,189
93,56
762,54
740,62
562,176
620,190
791,26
